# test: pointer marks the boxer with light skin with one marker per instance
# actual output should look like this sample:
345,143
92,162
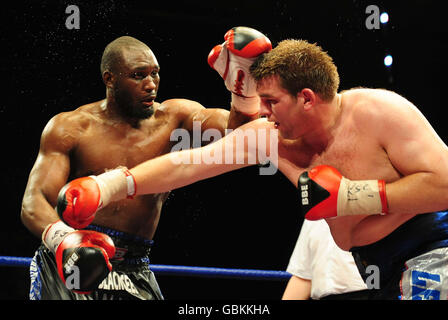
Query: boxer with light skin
126,128
366,160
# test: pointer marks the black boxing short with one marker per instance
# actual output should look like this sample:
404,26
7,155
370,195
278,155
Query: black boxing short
412,261
130,279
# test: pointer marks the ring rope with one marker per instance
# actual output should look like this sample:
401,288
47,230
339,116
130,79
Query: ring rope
229,273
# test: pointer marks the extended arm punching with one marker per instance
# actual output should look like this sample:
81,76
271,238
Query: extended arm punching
79,200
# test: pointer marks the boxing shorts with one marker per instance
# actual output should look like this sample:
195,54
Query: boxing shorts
130,279
412,261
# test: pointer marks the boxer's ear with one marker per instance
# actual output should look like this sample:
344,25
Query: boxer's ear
108,79
309,98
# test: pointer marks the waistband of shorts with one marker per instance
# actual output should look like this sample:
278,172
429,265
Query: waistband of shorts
121,235
420,234
129,249
430,246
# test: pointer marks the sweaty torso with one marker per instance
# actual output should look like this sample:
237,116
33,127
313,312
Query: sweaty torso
106,144
357,155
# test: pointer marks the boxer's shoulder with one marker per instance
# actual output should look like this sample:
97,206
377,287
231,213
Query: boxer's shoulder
79,116
179,106
373,99
178,110
69,125
367,106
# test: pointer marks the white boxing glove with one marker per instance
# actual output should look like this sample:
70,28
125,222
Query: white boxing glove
232,61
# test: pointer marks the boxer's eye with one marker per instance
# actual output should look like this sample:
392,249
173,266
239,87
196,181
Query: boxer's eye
138,75
271,102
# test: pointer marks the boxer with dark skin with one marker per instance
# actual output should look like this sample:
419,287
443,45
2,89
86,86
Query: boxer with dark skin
124,129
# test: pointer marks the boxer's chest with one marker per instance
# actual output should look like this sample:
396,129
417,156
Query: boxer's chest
354,158
108,146
352,152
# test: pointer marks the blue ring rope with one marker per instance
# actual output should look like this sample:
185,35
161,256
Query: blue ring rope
159,269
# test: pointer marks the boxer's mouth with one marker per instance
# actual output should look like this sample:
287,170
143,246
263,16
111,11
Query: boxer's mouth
149,101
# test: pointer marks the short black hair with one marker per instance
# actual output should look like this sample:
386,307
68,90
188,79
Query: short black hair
113,52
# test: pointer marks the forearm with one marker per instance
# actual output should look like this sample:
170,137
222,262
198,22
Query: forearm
249,145
37,213
417,193
178,169
221,119
297,289
237,118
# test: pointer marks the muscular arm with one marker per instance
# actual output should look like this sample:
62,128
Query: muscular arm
211,118
178,169
48,175
421,157
237,118
419,154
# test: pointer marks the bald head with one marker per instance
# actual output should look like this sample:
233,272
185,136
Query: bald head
113,52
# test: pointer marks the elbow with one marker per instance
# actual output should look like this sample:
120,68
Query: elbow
29,216
25,212
26,215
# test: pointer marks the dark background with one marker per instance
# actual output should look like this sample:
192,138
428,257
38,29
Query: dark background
238,220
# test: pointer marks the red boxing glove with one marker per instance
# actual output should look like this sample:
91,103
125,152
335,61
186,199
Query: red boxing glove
325,193
82,256
232,60
80,199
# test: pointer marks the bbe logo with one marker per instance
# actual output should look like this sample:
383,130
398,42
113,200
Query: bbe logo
304,194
